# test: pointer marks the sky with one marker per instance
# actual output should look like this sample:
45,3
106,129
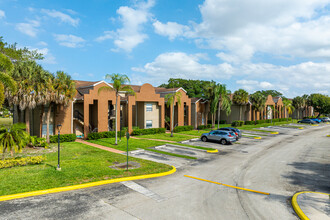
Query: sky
254,45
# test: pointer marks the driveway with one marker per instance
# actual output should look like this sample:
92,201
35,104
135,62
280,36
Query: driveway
292,161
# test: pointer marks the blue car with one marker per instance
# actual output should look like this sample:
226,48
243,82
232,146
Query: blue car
316,120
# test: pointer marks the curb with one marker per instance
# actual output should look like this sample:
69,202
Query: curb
301,128
328,135
212,151
296,207
82,186
257,138
276,132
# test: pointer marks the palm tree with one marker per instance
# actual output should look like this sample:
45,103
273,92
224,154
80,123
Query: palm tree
224,102
288,106
14,139
61,92
258,101
119,84
210,94
171,98
6,81
298,103
306,103
241,97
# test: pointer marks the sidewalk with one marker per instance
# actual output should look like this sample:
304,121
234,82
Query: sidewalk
100,147
312,205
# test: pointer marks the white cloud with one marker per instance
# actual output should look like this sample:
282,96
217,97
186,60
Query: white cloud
30,28
182,65
133,19
48,56
65,18
69,40
42,43
171,29
2,14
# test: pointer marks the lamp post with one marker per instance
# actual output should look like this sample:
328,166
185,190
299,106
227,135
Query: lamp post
59,126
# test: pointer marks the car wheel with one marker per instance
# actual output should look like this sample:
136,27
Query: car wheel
223,141
204,139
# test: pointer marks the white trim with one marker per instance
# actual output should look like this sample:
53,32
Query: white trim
95,84
175,90
198,100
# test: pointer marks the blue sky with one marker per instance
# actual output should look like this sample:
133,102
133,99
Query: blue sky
256,44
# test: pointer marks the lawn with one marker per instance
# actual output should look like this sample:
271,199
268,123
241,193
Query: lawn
167,137
6,121
135,144
80,164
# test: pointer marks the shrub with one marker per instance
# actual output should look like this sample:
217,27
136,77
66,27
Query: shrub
183,128
34,141
148,131
237,123
63,138
202,127
290,119
249,122
105,134
14,162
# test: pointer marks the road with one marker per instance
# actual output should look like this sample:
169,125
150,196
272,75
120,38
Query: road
294,160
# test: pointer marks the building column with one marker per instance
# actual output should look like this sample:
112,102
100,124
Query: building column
102,115
180,114
86,119
130,114
189,114
162,115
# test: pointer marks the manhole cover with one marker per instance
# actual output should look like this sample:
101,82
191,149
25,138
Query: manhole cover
131,165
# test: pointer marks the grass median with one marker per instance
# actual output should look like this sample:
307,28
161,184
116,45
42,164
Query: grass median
80,164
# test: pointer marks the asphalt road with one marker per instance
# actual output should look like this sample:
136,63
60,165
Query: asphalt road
294,160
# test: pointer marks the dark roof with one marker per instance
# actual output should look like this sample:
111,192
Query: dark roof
83,87
80,83
194,100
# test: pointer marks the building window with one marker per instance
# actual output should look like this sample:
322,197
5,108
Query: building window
149,107
149,124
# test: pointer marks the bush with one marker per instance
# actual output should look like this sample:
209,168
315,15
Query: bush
63,138
148,131
290,119
34,141
237,123
105,134
183,128
202,127
249,122
14,162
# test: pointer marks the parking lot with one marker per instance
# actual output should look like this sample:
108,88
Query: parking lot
280,164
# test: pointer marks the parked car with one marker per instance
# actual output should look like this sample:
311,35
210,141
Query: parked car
325,119
307,121
317,120
236,131
224,137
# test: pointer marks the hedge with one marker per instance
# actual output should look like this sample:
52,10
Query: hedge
249,122
63,138
14,162
237,123
216,122
148,131
183,128
202,127
105,134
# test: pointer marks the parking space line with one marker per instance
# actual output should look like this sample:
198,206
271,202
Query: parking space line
235,187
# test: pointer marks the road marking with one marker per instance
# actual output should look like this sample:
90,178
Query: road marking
258,138
144,191
235,187
212,151
275,132
301,128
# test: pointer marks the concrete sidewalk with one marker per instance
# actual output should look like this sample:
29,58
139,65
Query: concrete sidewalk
100,147
313,205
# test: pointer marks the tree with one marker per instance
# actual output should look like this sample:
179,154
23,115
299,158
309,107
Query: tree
273,93
213,97
194,88
320,103
14,139
241,97
224,102
6,81
119,84
288,106
171,98
298,103
258,100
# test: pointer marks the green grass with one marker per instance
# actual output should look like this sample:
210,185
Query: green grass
167,137
80,164
6,121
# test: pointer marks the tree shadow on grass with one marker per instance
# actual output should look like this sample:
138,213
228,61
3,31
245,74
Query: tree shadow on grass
310,175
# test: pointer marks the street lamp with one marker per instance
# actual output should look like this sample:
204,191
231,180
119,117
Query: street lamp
59,126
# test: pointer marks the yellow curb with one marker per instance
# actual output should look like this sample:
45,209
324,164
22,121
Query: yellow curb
258,138
235,187
296,207
85,185
328,135
328,123
300,128
276,132
315,125
212,151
